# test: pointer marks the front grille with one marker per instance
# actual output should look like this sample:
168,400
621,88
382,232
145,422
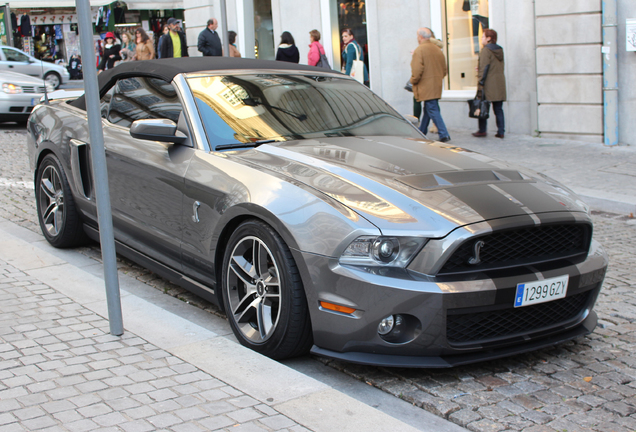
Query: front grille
520,247
482,327
30,89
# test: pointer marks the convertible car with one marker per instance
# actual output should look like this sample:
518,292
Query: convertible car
319,218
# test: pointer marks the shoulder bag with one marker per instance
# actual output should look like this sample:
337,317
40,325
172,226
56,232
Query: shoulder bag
357,69
478,108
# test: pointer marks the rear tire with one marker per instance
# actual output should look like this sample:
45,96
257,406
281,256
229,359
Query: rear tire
59,219
263,293
53,79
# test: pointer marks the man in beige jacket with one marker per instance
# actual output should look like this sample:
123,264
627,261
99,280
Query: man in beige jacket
428,69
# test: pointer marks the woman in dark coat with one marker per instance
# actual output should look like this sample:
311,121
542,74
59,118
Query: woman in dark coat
111,52
492,81
287,50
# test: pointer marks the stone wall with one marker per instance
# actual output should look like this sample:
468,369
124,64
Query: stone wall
569,69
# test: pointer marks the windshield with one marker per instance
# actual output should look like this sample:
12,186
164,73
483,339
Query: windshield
252,108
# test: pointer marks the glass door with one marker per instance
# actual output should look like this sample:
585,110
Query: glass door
264,46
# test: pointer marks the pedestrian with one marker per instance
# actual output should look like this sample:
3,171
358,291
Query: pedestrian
353,51
209,42
173,44
164,33
231,37
111,52
128,46
145,49
287,50
492,81
315,48
428,69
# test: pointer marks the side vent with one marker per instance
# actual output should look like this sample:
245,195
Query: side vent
81,161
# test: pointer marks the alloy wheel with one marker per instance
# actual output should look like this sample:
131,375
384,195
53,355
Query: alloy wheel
51,201
253,289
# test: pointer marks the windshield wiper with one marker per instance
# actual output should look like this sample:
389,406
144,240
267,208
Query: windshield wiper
252,144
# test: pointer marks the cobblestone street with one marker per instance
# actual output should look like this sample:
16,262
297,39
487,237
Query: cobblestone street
585,384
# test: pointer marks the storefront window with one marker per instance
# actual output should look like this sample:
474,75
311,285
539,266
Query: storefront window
264,30
353,15
463,22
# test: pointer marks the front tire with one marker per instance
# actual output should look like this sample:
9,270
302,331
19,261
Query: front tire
263,293
59,219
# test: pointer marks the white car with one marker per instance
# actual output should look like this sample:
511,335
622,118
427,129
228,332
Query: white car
14,60
19,93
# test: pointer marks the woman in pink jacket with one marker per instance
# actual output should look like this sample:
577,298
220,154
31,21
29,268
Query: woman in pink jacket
315,48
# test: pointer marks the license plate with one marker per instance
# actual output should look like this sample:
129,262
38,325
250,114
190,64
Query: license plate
541,291
34,101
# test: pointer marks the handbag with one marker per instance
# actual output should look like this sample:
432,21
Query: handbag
357,69
408,86
478,108
323,62
466,6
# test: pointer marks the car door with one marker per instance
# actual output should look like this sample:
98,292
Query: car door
146,178
16,61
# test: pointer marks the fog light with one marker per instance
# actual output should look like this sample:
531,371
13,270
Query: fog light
386,325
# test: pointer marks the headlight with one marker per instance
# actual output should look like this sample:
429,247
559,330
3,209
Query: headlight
50,87
386,251
11,88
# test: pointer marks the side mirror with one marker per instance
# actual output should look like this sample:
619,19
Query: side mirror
162,130
31,61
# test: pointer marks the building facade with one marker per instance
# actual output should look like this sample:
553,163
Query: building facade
554,52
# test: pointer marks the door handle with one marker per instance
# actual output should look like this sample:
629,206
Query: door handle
10,66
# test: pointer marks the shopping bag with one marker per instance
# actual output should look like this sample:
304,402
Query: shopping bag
357,69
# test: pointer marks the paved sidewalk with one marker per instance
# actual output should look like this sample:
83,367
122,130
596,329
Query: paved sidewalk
605,177
175,368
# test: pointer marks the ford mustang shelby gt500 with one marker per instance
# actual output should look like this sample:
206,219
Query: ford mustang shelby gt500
317,217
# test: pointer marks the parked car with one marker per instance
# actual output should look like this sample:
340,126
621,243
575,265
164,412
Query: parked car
14,60
317,217
20,93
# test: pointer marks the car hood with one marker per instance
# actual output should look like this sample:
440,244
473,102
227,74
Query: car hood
20,79
415,184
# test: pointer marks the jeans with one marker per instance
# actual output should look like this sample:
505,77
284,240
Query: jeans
499,116
432,112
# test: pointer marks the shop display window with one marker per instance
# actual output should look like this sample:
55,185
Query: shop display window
352,14
265,46
463,22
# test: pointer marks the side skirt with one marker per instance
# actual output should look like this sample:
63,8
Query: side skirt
162,270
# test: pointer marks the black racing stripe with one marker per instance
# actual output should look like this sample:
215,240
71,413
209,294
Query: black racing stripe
488,202
535,199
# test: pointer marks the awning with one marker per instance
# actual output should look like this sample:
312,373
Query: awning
132,5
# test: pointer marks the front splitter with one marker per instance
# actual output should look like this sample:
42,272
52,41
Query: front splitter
387,360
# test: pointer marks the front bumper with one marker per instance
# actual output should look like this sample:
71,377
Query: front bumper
18,105
429,301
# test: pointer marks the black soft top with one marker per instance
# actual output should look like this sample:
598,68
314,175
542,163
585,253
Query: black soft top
167,69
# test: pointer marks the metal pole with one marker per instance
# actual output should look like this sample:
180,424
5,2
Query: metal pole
226,39
8,26
98,157
609,52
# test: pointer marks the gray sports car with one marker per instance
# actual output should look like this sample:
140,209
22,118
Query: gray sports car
317,217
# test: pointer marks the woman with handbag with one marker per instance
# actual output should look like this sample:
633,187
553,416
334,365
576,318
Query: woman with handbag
492,82
316,50
353,58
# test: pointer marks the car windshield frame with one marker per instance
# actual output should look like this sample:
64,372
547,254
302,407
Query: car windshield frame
243,110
